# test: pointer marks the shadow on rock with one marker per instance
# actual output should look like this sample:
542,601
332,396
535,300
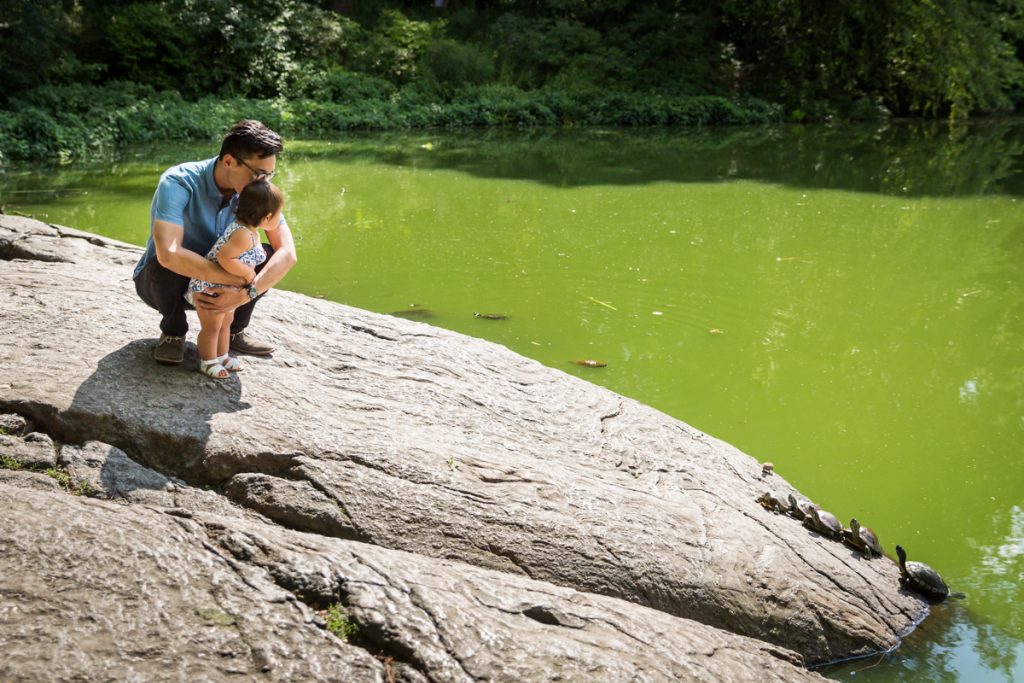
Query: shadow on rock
159,415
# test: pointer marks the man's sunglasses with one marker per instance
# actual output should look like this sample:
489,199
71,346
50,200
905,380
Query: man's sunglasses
258,173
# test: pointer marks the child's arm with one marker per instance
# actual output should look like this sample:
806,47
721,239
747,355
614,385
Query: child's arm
227,257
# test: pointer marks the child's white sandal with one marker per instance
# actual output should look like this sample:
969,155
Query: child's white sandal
231,364
213,368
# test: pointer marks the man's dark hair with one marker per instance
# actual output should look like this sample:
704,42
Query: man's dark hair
248,139
258,200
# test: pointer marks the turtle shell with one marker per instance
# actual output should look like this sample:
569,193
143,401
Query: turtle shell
864,540
799,508
870,541
823,522
773,502
924,579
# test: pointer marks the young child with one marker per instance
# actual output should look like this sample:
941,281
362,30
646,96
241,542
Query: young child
238,251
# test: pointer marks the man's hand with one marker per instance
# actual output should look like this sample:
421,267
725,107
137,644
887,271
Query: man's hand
221,300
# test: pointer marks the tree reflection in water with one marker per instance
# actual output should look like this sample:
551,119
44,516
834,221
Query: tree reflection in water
955,643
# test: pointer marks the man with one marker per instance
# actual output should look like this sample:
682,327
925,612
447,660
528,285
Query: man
194,203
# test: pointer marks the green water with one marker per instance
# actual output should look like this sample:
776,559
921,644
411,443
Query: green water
845,302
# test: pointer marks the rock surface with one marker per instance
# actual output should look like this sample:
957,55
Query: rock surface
396,434
138,593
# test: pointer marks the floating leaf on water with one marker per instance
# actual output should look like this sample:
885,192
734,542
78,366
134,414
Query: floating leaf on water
427,146
603,303
715,330
590,363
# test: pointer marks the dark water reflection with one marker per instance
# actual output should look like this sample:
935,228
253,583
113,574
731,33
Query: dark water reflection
953,644
908,158
957,642
900,158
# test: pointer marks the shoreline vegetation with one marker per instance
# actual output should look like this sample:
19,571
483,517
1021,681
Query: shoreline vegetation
86,76
64,123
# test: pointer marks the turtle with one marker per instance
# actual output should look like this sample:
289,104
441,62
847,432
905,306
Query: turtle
862,538
590,363
773,502
799,508
823,522
491,316
919,577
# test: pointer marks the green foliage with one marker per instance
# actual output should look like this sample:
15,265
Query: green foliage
61,476
931,57
67,122
335,84
393,48
36,44
453,64
339,625
81,76
9,463
143,44
216,47
957,60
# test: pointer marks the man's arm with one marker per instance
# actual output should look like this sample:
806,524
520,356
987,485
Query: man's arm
276,268
167,238
280,262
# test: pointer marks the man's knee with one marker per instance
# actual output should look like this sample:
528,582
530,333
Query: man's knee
161,288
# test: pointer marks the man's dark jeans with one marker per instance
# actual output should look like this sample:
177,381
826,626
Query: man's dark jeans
164,290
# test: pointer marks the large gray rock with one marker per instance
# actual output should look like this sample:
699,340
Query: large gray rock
100,592
419,439
94,591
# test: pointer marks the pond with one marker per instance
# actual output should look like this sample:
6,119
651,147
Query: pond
844,301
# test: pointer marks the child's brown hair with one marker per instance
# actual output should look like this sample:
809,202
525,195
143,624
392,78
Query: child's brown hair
258,200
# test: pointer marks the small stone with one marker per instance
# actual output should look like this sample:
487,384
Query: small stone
13,424
38,437
35,454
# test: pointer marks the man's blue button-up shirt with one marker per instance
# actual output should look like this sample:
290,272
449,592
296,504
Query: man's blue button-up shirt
188,196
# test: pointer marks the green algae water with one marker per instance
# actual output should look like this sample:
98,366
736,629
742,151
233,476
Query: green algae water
845,302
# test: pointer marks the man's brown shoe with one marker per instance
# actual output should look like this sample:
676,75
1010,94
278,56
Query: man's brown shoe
169,350
243,343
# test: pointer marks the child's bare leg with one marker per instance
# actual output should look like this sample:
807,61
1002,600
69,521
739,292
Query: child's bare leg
224,345
209,336
224,334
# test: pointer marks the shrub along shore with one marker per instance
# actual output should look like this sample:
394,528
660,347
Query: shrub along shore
69,122
84,75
